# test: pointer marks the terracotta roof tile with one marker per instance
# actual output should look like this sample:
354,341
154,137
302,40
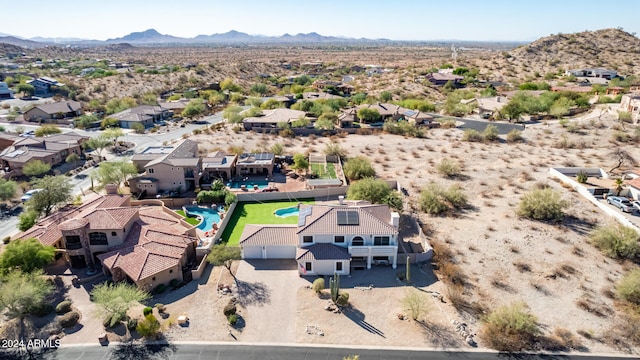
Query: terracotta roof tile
634,182
324,220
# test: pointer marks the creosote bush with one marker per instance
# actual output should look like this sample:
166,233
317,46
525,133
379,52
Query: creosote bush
616,241
472,135
448,168
514,136
628,288
510,328
542,204
69,319
435,199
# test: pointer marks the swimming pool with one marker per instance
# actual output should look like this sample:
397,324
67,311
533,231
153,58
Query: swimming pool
286,212
209,216
249,184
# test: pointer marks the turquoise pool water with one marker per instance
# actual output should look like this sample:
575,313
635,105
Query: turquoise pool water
286,212
249,184
209,216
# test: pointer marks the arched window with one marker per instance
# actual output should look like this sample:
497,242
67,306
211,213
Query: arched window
357,241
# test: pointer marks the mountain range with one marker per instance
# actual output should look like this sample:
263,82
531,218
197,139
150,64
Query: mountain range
153,37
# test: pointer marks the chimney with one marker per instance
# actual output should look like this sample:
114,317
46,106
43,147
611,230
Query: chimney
111,189
395,220
341,199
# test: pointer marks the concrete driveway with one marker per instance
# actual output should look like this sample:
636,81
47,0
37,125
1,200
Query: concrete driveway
268,289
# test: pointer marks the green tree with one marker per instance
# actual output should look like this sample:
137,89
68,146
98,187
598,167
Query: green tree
271,104
542,204
138,128
435,199
259,89
193,109
47,129
386,96
27,219
116,105
26,89
300,162
375,191
232,114
85,121
72,158
358,168
367,115
149,327
224,255
114,172
98,144
26,255
109,122
112,134
359,98
561,107
7,189
55,190
228,85
324,124
114,300
21,293
35,168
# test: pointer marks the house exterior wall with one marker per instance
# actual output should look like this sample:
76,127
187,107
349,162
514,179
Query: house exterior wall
634,193
169,177
162,277
138,187
329,239
128,124
36,114
325,267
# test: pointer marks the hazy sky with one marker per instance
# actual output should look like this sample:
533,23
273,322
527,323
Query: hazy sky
521,20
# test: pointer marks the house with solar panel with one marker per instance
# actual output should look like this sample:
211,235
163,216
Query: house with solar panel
390,111
329,238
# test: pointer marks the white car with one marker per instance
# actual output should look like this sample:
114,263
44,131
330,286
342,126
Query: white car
29,194
636,205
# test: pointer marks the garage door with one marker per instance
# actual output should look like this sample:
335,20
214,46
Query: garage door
281,252
252,252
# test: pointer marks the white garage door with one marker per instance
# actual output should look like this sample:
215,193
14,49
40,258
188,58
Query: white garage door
252,252
281,252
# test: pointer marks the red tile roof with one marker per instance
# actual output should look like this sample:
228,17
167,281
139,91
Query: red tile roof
373,219
112,218
634,182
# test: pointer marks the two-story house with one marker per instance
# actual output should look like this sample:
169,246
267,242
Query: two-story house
328,239
167,168
44,86
148,245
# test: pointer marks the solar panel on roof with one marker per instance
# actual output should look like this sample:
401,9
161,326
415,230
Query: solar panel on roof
353,218
410,113
342,217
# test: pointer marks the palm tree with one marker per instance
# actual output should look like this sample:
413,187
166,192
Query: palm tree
619,186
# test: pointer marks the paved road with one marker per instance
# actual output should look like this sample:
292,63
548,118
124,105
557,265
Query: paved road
266,352
480,125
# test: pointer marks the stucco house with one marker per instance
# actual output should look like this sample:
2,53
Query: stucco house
328,238
167,168
5,92
271,119
51,112
390,111
146,115
147,245
44,85
219,165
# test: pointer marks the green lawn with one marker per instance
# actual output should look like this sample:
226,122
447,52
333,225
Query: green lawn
257,213
191,220
322,173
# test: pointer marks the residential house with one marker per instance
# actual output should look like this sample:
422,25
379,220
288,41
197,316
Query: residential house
272,119
52,150
219,165
489,106
328,85
44,85
390,111
146,115
255,164
439,79
634,184
319,95
576,88
328,239
5,92
347,118
175,168
45,113
592,73
148,246
631,103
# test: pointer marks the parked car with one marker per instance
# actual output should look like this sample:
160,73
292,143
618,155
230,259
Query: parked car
29,194
621,203
636,206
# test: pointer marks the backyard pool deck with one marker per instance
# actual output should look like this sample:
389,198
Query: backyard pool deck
258,213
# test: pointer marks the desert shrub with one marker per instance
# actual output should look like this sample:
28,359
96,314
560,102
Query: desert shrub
229,309
416,304
490,133
6,240
582,177
542,204
628,288
514,136
434,199
41,310
318,285
112,320
63,307
161,308
616,241
69,319
132,324
448,168
472,135
147,310
343,299
358,168
621,136
160,289
174,283
232,319
510,328
149,327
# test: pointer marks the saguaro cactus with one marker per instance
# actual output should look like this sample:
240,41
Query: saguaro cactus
408,270
334,286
